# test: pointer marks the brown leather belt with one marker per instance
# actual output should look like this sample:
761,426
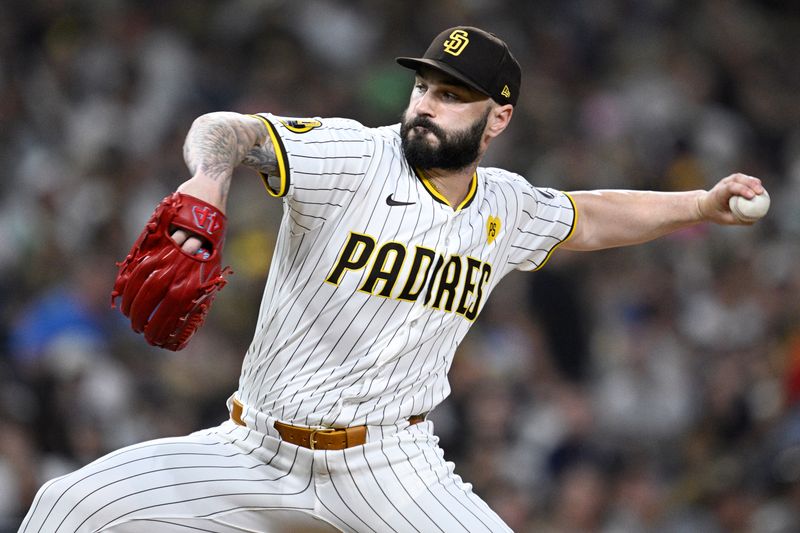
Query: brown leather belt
316,438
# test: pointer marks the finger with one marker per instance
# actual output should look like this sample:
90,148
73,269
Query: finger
191,245
188,243
180,236
747,186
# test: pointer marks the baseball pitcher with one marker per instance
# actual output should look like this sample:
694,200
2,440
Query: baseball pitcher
391,242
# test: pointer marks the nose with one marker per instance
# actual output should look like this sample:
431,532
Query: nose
425,105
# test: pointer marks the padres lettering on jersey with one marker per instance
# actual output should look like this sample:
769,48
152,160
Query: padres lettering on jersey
456,279
376,279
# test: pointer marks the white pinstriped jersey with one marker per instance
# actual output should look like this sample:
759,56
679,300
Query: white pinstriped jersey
375,278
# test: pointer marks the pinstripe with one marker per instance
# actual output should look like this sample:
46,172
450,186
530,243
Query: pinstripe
299,344
451,483
336,141
513,208
353,321
330,157
334,347
323,189
249,369
420,368
375,401
434,495
361,493
338,518
309,277
192,500
391,467
355,513
143,522
366,370
322,501
379,484
311,352
328,173
298,224
308,202
307,215
211,480
390,464
136,466
428,489
35,505
228,510
121,465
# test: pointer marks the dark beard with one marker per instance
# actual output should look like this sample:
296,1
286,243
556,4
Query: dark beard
456,150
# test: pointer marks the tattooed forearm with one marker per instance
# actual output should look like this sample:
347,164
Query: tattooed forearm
212,148
218,142
261,158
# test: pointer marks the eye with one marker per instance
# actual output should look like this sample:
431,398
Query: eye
451,96
420,87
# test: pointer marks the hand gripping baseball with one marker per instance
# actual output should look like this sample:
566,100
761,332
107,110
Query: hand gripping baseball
167,292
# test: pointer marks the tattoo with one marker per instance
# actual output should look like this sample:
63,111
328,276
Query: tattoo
218,142
262,158
212,149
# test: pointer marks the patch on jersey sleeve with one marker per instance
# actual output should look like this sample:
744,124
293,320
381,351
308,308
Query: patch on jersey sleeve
493,226
301,125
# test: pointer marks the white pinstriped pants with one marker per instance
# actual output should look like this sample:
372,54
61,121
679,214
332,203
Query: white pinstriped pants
233,479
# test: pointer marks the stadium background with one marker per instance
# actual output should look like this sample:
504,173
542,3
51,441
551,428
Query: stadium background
645,389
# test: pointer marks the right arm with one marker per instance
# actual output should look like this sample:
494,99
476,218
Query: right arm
215,145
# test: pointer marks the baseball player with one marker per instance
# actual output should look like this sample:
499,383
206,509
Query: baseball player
392,240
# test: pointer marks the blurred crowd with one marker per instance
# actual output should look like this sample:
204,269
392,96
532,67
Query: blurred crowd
647,389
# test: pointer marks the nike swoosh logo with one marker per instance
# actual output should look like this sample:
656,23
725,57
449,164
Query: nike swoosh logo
392,202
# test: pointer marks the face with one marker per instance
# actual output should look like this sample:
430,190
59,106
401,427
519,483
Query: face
444,124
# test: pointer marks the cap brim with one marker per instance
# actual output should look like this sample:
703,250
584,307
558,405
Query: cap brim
414,63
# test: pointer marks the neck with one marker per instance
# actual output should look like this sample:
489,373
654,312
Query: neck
453,185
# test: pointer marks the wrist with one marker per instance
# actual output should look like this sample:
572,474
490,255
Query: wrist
206,189
700,210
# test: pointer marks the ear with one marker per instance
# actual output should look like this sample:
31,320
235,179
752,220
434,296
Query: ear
499,117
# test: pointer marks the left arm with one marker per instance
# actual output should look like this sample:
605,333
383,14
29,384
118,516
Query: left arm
611,218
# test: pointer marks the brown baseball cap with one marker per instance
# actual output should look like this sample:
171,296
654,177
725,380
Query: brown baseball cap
476,57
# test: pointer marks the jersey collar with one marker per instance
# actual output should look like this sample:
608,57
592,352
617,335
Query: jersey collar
426,182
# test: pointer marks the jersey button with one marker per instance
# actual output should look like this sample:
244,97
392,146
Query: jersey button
413,323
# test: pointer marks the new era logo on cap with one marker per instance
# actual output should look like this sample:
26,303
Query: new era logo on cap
475,57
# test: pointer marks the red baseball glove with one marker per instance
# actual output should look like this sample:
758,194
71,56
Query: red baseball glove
167,292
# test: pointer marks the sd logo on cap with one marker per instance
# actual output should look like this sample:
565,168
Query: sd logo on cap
458,40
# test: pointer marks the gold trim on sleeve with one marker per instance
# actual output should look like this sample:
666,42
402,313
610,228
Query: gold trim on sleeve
283,163
565,239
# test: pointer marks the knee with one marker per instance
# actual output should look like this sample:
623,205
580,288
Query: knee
46,498
58,506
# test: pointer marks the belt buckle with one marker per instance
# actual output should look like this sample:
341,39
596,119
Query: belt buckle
312,439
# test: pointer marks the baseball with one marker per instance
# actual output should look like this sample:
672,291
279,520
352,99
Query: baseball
749,210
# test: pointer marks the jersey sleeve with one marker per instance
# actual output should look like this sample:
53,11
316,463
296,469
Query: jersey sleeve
547,218
321,162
